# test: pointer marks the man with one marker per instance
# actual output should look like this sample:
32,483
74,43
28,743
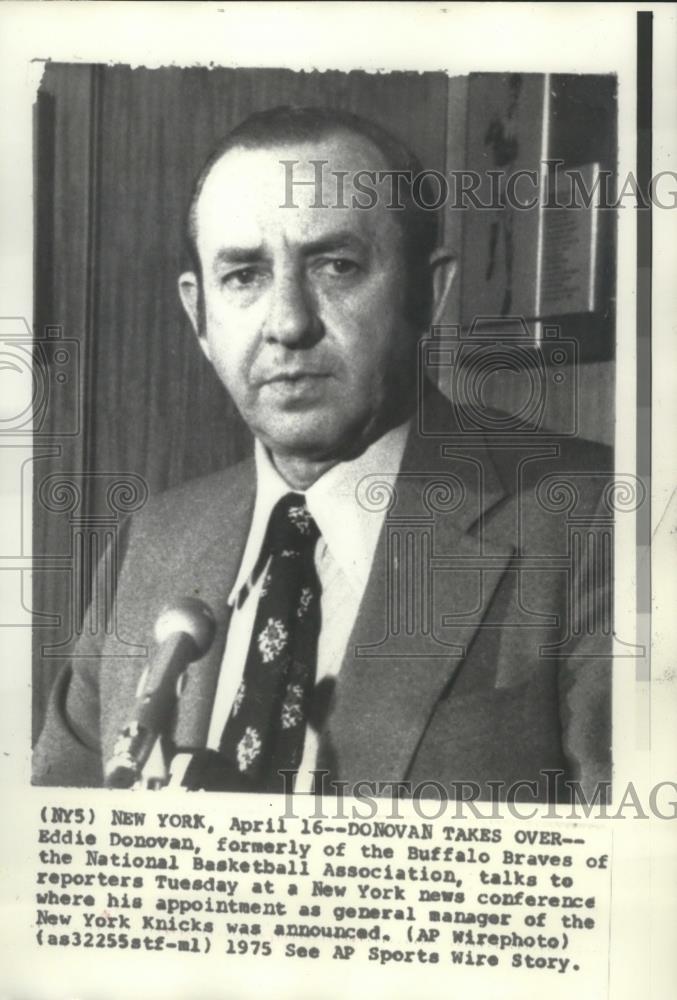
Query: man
391,604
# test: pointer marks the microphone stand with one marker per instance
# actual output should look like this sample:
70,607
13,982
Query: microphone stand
142,751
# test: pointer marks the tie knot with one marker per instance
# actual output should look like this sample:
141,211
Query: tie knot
292,528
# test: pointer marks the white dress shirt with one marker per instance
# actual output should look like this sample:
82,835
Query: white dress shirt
343,556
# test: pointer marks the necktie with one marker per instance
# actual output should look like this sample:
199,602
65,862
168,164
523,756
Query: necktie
266,727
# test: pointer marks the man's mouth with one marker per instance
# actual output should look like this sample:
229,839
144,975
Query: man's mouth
294,377
295,389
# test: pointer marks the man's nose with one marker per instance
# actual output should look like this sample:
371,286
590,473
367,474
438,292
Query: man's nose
292,317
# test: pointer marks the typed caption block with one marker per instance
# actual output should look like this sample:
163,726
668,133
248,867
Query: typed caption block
390,893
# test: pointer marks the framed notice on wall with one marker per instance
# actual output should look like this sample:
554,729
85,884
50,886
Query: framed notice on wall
539,238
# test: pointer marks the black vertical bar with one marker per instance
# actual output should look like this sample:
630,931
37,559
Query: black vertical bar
643,401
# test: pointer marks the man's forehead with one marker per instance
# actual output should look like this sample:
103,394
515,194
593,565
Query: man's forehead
249,187
343,150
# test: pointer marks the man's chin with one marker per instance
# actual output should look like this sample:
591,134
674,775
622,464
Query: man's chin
310,440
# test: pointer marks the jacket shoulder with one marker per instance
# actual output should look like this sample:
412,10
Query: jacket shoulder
196,499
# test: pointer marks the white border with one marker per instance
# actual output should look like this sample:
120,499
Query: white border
458,38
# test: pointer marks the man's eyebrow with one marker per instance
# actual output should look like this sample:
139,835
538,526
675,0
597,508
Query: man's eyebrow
342,240
239,255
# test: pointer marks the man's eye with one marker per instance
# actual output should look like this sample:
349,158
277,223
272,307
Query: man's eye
340,266
243,278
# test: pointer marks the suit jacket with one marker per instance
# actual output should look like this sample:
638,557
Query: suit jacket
481,650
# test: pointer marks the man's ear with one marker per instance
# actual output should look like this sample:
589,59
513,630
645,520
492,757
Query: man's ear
443,269
189,293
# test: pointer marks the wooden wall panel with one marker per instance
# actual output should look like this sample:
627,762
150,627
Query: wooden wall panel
455,160
64,124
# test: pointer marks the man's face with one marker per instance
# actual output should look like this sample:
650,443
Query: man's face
303,307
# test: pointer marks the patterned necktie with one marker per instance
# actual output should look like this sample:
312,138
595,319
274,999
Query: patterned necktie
266,727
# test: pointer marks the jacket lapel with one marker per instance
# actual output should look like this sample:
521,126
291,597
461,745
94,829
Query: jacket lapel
426,598
211,570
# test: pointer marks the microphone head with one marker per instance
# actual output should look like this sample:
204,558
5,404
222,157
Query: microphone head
190,616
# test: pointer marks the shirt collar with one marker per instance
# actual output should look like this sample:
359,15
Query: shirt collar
349,529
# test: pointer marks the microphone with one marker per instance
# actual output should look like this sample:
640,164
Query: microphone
184,632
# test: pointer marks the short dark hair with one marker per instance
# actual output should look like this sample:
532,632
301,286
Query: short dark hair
287,124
